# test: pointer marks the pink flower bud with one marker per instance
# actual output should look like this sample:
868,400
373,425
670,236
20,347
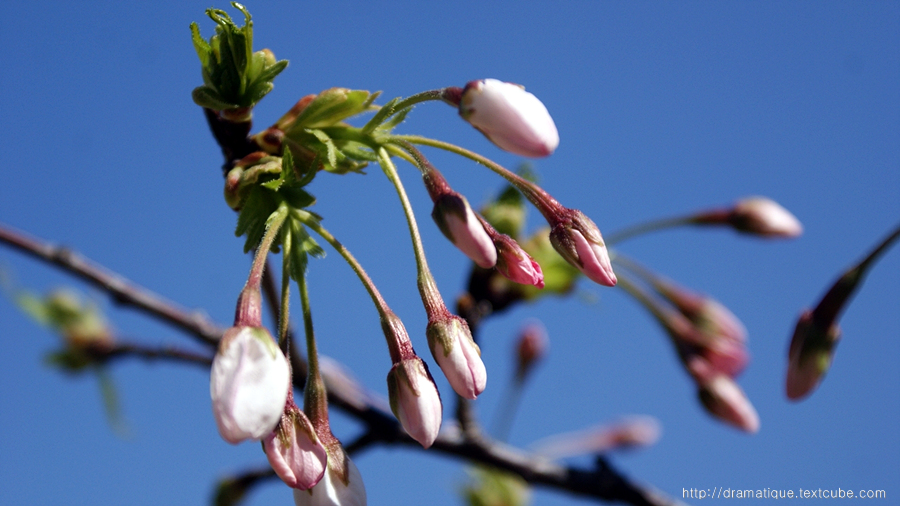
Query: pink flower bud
338,487
248,384
294,451
531,347
579,242
515,264
812,349
725,400
510,117
458,222
765,217
627,433
415,400
457,354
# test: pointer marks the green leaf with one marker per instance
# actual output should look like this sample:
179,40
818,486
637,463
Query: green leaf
69,360
331,149
204,96
395,120
111,404
269,73
492,487
331,106
379,117
200,45
257,208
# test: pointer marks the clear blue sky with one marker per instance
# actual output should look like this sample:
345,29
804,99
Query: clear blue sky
662,108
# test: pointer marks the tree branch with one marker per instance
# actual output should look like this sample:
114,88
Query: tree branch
602,482
120,289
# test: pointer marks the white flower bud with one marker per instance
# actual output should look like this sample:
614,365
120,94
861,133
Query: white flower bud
248,384
510,117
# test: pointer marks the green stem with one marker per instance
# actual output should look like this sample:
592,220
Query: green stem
398,345
273,225
249,311
315,397
431,297
646,300
284,313
547,205
651,226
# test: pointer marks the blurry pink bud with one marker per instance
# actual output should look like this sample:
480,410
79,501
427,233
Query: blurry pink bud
725,400
579,242
765,217
708,315
458,222
457,354
627,433
531,347
812,349
294,451
338,487
248,384
515,264
510,117
415,400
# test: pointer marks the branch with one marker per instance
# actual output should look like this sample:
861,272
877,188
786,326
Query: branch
120,289
170,353
602,482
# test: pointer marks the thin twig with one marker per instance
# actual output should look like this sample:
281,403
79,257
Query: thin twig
120,289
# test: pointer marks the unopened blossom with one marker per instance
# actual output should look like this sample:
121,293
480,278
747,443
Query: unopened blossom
341,485
577,239
629,432
811,352
530,348
725,400
249,384
457,354
510,117
765,217
706,328
415,400
515,264
294,450
458,222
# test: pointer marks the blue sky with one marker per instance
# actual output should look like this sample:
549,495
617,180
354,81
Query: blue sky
662,109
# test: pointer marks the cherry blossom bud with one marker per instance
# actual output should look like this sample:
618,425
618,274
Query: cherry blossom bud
812,349
294,451
415,400
765,217
630,432
579,242
339,486
248,384
457,354
510,117
725,400
458,222
530,348
515,264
